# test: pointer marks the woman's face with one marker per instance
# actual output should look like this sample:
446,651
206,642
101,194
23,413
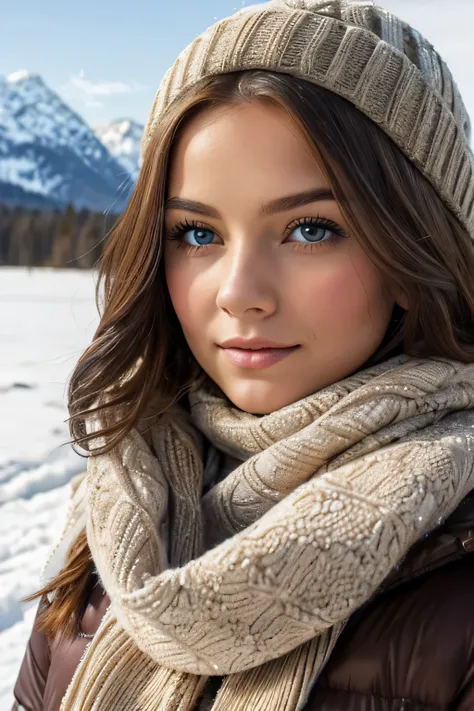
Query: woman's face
275,296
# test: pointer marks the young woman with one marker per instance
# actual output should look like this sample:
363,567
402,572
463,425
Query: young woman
279,400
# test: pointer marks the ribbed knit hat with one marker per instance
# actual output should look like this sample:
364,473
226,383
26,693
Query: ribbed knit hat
365,54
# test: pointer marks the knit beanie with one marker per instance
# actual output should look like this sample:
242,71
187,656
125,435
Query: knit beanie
361,52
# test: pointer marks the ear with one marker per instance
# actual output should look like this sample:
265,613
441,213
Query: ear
401,298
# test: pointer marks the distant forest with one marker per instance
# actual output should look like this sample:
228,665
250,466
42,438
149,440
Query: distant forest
52,238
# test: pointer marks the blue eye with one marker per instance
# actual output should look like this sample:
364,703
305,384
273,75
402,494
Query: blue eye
309,230
315,231
191,234
198,237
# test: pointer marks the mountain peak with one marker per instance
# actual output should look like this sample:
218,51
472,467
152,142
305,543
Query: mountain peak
122,138
121,126
22,75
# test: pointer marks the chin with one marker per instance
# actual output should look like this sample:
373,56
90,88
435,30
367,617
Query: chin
259,397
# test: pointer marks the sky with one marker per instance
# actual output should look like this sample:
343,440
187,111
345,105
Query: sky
106,59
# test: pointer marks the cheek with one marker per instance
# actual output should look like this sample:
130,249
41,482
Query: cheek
188,293
340,298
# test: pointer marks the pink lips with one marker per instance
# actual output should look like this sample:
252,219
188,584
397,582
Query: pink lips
255,352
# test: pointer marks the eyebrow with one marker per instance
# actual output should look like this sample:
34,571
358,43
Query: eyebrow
279,205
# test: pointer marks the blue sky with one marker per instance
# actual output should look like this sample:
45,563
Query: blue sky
106,58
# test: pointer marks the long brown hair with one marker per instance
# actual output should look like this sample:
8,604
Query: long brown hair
139,350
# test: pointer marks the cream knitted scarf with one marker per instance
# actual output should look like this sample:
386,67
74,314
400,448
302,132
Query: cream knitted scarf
254,580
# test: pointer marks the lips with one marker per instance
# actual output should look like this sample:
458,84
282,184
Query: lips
254,344
255,352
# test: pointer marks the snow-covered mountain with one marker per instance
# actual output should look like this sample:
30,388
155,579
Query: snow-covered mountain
122,138
47,149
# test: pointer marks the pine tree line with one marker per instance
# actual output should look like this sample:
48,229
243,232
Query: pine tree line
52,238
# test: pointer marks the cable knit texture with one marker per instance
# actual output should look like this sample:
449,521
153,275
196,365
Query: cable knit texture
363,53
254,580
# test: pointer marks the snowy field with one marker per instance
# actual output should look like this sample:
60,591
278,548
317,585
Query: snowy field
47,317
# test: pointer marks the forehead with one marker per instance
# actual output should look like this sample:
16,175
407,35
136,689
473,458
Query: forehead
236,148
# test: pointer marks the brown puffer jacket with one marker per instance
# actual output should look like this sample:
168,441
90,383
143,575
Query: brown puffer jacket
411,648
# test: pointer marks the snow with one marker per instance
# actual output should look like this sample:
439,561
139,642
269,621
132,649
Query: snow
21,75
47,317
26,172
123,139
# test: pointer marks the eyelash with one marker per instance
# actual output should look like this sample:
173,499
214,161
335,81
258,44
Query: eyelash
321,222
179,230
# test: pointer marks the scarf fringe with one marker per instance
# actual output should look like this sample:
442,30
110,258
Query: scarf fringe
281,685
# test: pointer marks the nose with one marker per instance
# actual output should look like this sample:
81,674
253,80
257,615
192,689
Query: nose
247,288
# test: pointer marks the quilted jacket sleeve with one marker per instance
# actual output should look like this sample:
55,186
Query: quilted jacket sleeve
33,674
